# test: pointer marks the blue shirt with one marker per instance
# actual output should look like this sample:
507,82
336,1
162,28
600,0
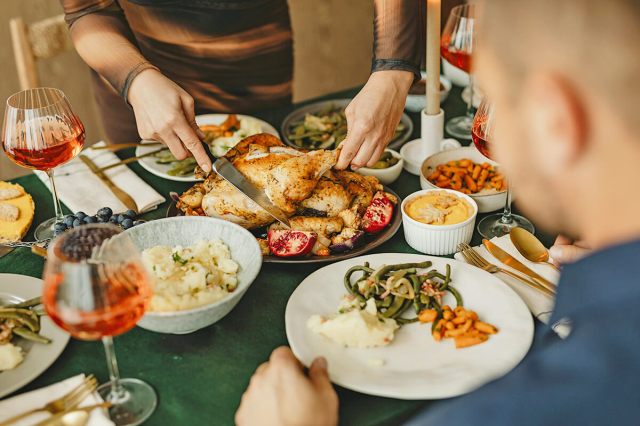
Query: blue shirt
590,378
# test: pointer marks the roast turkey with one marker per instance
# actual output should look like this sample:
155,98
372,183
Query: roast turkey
301,183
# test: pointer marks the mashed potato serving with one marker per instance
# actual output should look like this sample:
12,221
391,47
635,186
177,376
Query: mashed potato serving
10,356
355,326
189,277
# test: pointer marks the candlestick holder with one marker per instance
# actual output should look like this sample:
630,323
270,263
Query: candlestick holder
431,141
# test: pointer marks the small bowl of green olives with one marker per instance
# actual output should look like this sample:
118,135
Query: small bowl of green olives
387,169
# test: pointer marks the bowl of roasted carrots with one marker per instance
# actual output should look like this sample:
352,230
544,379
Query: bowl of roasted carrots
468,171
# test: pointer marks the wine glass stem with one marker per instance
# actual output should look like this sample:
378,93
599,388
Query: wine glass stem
470,101
506,214
56,200
117,391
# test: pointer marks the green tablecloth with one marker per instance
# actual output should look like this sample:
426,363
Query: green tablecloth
200,377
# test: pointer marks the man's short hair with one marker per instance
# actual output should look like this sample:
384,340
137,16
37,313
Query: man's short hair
593,43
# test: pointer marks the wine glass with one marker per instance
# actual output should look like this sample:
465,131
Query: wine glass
456,46
498,224
96,287
41,132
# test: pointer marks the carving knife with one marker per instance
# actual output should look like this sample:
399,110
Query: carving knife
514,263
224,168
119,193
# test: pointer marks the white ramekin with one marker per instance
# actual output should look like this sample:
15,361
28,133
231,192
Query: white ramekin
437,239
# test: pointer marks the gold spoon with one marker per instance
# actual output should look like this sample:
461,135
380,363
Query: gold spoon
74,417
530,247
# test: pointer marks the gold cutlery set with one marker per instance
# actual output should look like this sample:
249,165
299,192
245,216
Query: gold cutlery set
524,274
65,411
115,189
121,194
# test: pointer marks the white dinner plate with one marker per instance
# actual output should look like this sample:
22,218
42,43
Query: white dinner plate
38,357
161,170
413,366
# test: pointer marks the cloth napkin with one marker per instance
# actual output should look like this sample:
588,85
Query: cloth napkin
81,190
540,305
27,401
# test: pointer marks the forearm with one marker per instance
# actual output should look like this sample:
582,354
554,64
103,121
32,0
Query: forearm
398,36
103,40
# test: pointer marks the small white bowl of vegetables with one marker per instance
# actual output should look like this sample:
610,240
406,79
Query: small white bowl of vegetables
387,169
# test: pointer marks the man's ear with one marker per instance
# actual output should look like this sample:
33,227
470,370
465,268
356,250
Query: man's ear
556,119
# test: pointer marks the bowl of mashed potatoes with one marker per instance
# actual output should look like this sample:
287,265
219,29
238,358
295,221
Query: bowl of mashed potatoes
435,221
200,269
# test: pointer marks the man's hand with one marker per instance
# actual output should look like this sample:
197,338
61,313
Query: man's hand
165,112
280,394
372,118
565,250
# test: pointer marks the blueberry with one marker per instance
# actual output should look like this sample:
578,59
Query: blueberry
81,215
90,219
103,219
138,222
127,223
105,212
120,218
131,214
60,227
77,223
113,219
68,220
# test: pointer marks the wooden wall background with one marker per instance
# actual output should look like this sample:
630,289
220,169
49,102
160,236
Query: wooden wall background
332,39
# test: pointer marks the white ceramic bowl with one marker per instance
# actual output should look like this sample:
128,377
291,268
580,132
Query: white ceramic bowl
186,231
385,176
438,240
416,103
486,202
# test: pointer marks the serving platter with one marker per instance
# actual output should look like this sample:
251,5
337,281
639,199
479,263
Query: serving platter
37,357
371,241
162,170
298,115
413,366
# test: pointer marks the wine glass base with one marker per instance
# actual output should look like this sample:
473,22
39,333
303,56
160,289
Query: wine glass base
459,127
45,229
137,401
493,225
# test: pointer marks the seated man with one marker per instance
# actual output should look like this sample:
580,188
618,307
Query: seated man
564,77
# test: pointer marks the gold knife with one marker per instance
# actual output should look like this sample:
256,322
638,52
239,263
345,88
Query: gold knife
514,263
119,193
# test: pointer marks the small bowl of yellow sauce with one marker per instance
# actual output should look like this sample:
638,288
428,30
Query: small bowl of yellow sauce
436,221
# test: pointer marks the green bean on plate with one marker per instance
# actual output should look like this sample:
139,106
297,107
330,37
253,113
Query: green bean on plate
325,129
398,288
23,320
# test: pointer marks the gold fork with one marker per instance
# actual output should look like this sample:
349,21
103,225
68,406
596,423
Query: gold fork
66,402
472,257
120,163
118,147
132,159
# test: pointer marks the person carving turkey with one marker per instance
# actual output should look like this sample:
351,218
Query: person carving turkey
156,64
